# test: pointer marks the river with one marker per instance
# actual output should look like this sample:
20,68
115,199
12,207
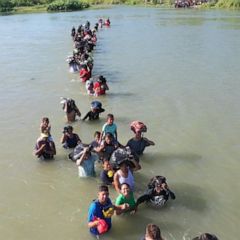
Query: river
175,70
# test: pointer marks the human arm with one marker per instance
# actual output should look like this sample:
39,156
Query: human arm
92,219
116,182
143,198
81,159
39,149
77,111
126,204
106,86
137,166
64,138
77,138
149,142
86,116
93,224
100,148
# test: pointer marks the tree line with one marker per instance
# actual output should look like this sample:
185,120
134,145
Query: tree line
72,5
51,5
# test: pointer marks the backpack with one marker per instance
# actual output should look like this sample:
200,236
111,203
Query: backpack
75,154
138,127
120,155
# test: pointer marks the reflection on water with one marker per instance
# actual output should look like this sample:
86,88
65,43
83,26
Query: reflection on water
175,70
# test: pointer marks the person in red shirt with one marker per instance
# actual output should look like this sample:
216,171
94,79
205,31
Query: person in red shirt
100,86
85,73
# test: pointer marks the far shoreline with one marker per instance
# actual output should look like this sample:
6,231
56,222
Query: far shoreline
43,8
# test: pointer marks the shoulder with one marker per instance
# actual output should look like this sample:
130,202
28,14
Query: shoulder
130,140
119,199
105,125
93,206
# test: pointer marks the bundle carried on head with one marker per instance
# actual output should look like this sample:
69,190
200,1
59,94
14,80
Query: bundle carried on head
121,155
138,127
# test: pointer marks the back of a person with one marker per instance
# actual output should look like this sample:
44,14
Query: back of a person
137,146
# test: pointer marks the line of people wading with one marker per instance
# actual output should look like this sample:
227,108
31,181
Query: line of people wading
117,161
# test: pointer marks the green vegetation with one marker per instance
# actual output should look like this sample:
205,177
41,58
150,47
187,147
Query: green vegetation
6,6
232,4
20,6
67,5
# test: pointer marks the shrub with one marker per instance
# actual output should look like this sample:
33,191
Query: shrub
6,5
235,4
67,5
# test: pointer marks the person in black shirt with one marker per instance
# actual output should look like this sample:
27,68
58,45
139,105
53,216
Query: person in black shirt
206,236
107,173
157,193
69,139
96,109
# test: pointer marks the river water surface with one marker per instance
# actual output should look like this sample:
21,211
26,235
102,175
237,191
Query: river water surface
176,70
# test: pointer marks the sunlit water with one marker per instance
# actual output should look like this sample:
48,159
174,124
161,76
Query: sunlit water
176,70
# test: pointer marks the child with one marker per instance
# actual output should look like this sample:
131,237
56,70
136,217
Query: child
45,127
109,127
96,143
107,173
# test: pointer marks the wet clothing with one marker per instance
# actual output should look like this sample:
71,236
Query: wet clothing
96,211
122,199
129,179
93,115
48,148
99,88
105,178
87,167
157,199
71,142
138,146
109,129
109,148
84,74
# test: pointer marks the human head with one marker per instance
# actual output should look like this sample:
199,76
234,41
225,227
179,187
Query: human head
45,120
153,232
108,138
110,118
160,183
97,135
123,166
103,194
106,165
125,189
206,236
70,129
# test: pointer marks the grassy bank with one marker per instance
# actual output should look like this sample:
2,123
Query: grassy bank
30,6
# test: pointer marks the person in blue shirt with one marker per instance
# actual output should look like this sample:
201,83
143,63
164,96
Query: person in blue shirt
101,209
109,127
